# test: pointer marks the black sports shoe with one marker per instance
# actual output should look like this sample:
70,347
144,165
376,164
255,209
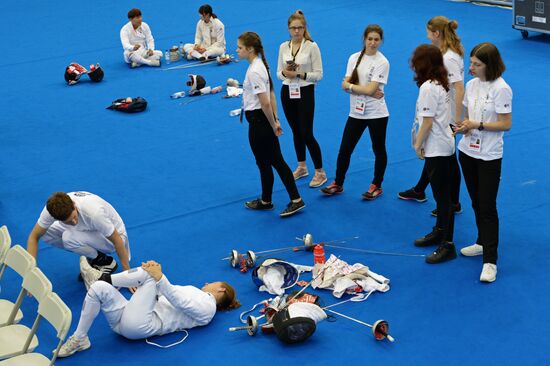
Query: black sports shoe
257,204
292,208
411,194
332,189
433,238
107,264
445,252
457,209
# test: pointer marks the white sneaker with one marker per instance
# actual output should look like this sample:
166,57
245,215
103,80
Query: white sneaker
472,250
73,345
488,273
300,172
133,65
89,273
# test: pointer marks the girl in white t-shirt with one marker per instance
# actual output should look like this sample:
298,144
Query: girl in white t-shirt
442,32
209,36
264,129
434,143
366,75
300,68
488,102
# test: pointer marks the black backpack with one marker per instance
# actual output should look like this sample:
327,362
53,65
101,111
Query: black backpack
129,105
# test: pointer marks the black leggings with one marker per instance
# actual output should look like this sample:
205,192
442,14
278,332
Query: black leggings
352,133
267,151
439,170
455,177
482,179
299,114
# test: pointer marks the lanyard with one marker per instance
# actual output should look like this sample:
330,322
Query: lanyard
298,50
482,104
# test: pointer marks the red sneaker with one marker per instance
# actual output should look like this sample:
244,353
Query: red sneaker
372,193
332,189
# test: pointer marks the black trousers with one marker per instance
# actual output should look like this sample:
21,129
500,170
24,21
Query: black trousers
455,176
299,114
439,173
482,179
267,151
352,133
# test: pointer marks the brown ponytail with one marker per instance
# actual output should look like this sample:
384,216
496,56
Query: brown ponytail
354,78
251,39
447,28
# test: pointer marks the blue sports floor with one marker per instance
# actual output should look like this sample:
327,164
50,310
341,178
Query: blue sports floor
179,175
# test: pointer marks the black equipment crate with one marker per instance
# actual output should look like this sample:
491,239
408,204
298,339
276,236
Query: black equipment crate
531,15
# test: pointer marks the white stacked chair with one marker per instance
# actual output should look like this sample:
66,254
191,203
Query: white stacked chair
54,310
18,259
5,242
16,339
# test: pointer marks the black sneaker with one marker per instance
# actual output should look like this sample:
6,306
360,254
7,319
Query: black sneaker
257,204
445,252
411,194
457,209
332,189
109,266
433,238
292,208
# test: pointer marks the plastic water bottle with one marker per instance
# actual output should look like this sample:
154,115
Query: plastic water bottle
167,57
235,112
318,259
319,254
177,95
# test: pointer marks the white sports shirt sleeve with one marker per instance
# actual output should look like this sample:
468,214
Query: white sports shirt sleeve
125,38
381,73
198,33
257,84
45,220
503,100
427,102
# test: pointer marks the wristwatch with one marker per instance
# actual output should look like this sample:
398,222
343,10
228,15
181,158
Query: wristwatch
481,128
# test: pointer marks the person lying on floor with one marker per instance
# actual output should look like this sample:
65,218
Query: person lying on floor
156,308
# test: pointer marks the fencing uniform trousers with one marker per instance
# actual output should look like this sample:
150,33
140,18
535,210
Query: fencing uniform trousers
299,114
212,51
134,318
455,176
267,151
140,57
86,243
352,133
482,179
439,172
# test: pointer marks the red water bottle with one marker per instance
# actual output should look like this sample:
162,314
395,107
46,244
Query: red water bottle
319,254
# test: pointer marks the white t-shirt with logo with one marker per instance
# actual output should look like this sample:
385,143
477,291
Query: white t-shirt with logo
454,64
372,68
485,100
434,101
256,81
94,214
